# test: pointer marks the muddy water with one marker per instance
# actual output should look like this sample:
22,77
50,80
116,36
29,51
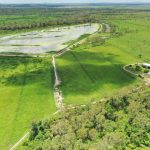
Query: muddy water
45,40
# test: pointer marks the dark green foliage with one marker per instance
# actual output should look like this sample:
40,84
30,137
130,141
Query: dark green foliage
138,68
34,131
146,71
119,123
16,18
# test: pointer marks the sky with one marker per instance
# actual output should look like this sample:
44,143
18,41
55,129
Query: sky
72,1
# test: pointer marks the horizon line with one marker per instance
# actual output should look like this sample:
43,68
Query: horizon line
79,3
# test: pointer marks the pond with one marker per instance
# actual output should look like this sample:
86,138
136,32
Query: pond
44,41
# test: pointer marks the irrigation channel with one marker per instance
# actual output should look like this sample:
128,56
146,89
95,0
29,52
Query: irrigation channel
58,96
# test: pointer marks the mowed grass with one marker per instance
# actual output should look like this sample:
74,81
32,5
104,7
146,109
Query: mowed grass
89,72
26,95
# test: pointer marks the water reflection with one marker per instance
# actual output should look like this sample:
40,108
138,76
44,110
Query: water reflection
45,40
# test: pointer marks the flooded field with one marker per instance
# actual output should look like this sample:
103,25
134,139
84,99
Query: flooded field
45,40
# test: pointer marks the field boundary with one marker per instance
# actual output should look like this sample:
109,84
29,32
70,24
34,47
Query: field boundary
57,92
20,141
134,74
83,68
58,96
22,55
142,77
26,135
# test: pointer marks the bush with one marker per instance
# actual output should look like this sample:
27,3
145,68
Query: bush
146,71
138,68
118,123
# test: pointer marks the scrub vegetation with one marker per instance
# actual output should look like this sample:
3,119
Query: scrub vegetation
117,123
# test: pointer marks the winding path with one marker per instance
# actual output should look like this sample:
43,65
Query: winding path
20,141
108,29
58,96
57,92
144,78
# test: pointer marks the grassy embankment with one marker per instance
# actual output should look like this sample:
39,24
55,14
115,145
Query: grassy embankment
25,96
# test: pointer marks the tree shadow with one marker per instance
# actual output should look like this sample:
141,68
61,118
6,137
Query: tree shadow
87,72
40,76
8,62
95,77
86,56
25,71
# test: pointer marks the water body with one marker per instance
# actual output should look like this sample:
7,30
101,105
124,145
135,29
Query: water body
43,41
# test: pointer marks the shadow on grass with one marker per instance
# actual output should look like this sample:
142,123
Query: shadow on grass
33,70
40,76
13,62
92,56
89,71
77,81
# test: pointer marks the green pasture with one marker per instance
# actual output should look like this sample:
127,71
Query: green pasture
88,72
25,96
134,38
91,71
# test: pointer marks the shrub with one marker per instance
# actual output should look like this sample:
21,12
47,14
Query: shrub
146,71
138,68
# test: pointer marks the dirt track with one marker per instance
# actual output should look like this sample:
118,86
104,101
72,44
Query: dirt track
57,92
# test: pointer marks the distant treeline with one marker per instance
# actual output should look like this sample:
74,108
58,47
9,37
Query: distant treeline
19,17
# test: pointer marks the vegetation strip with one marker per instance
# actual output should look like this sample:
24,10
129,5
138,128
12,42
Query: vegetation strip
97,126
25,136
132,73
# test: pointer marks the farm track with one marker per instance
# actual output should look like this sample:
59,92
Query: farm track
25,136
134,74
108,29
57,92
145,79
20,141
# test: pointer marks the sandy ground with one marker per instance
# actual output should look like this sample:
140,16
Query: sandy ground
57,92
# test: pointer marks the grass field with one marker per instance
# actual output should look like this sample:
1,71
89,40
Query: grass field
25,96
88,72
135,38
91,72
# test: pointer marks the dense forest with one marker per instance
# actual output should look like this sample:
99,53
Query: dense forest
121,122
